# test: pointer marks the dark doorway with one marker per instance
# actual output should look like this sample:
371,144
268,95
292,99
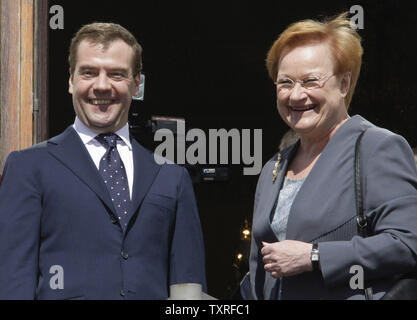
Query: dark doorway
204,61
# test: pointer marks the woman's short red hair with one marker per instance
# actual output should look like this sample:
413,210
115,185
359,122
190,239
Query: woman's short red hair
344,42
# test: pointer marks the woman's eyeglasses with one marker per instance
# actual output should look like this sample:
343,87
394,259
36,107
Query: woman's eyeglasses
286,85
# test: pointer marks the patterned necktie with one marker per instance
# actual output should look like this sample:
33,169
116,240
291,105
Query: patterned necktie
114,175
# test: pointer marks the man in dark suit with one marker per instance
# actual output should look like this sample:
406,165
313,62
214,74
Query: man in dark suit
90,214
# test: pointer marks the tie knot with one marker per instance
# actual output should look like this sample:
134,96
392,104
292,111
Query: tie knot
108,140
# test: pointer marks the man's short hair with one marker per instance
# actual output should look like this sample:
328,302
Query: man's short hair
344,43
104,34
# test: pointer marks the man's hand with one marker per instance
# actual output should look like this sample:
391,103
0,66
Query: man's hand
287,258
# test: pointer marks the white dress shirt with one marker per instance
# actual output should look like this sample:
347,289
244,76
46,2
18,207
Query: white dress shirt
97,150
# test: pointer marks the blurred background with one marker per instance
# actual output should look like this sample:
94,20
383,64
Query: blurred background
204,63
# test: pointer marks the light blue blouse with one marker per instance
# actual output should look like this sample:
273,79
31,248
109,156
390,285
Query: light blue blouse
279,222
286,198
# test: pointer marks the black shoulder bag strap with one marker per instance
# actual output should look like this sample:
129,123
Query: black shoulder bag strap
361,219
406,287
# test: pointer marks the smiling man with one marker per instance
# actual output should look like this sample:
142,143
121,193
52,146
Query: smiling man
102,85
89,214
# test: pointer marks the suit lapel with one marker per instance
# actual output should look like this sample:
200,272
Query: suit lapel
71,152
145,172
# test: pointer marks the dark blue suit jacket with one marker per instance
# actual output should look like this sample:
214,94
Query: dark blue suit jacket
55,210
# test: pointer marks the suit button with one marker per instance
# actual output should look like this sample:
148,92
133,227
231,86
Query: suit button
125,255
122,292
113,220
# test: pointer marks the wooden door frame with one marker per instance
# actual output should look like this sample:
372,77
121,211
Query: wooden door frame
23,74
41,70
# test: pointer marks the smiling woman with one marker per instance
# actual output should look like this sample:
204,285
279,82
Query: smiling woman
317,107
304,213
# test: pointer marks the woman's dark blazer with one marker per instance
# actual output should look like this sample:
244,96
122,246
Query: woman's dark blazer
324,212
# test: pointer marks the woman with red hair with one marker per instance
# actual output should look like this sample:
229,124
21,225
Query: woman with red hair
305,240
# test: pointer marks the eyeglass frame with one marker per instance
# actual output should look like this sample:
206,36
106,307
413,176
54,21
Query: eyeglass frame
321,82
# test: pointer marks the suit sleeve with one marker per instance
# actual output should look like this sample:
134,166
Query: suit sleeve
390,195
20,210
187,258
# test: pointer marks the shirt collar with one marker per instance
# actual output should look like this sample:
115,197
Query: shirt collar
87,135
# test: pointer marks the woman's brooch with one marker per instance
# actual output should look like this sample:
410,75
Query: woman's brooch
275,171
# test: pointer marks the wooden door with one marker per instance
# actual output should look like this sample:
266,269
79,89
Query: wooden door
23,74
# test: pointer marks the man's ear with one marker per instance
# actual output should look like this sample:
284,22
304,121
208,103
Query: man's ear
70,83
345,84
137,83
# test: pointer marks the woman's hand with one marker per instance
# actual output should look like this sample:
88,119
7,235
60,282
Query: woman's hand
287,258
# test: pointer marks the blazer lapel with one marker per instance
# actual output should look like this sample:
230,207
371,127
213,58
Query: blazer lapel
71,152
145,172
271,196
307,208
